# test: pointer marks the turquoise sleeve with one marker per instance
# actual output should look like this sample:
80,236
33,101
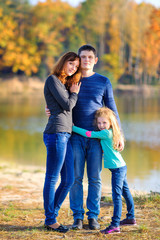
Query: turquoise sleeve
104,134
80,131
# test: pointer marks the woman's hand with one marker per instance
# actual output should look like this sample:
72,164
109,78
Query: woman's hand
47,111
75,87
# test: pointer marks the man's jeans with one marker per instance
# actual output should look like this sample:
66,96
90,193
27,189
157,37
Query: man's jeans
120,188
59,162
89,150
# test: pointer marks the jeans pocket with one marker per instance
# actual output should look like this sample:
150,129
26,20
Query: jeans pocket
45,138
63,134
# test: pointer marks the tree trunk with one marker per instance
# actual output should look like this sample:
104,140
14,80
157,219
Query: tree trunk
130,61
136,72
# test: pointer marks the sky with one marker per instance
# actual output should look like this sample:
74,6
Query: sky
75,3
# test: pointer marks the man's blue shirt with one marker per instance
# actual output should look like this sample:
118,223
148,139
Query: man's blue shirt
95,92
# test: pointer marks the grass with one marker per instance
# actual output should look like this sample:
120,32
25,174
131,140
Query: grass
22,214
25,221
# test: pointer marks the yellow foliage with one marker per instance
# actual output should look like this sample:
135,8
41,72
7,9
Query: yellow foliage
111,64
151,49
122,31
1,12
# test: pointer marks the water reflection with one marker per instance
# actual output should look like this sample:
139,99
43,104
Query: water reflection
145,133
21,125
22,122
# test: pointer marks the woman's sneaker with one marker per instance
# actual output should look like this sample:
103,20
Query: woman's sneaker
128,222
110,229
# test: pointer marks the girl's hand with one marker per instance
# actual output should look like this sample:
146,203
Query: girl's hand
120,145
75,87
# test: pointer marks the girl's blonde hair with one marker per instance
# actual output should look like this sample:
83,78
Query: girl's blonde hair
110,115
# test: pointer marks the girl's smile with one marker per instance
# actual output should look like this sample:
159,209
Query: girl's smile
103,123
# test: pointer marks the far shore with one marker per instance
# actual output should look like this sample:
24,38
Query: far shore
27,86
143,90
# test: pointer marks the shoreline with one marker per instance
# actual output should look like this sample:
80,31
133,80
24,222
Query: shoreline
144,90
26,86
22,86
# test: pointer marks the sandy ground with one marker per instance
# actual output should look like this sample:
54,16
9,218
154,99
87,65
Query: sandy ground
25,184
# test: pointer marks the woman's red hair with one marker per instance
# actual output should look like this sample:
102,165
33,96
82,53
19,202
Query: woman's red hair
58,69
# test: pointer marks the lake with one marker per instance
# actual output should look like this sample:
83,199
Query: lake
22,121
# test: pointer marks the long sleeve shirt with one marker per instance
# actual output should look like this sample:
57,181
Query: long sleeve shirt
60,103
112,158
95,92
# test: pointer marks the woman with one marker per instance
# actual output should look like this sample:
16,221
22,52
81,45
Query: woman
60,91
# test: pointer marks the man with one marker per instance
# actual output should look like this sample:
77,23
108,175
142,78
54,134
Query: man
96,91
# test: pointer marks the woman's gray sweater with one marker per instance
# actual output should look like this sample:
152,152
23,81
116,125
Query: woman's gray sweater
60,103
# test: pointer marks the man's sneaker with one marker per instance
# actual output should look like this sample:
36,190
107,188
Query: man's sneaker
128,222
78,224
111,229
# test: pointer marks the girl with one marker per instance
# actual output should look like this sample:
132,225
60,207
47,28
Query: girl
60,91
110,135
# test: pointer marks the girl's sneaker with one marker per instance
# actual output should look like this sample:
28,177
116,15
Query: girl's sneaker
110,229
128,222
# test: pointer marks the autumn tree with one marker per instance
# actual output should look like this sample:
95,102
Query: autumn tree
125,34
151,48
139,17
52,22
101,23
18,51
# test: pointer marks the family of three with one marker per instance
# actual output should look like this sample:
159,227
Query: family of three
83,124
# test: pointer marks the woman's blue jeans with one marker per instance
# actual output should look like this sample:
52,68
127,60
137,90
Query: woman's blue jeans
120,188
59,162
89,151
